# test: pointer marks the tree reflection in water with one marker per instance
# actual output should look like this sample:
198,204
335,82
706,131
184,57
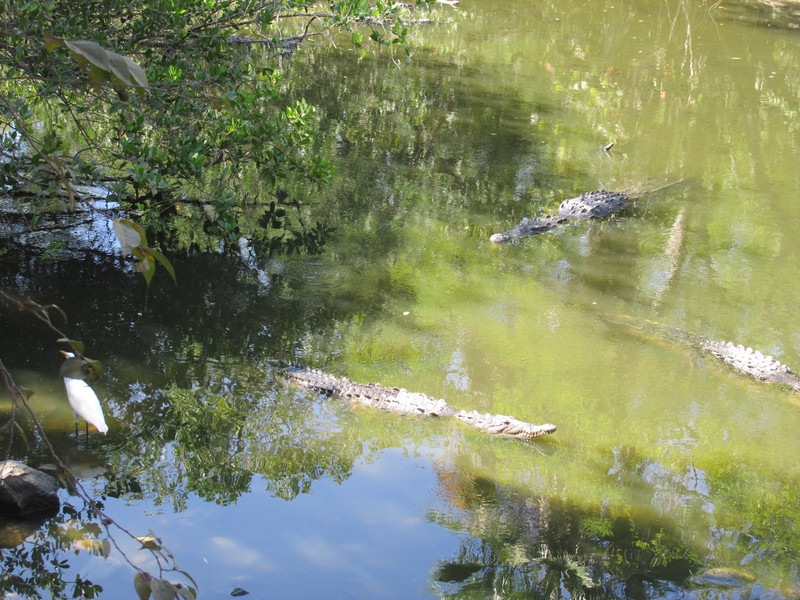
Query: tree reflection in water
34,554
533,546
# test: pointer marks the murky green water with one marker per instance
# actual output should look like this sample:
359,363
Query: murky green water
665,462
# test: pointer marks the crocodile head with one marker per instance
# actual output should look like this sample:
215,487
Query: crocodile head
527,228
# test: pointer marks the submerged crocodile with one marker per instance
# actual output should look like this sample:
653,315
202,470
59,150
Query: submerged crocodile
402,401
749,361
591,205
741,358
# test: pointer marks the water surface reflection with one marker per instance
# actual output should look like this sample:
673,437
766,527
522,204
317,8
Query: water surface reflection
665,462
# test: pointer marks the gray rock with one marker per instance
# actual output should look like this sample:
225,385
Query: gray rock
24,490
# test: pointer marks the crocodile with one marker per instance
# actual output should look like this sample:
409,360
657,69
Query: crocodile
741,358
590,205
400,400
750,362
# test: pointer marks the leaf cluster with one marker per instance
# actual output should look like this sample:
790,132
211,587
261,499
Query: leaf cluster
209,126
158,588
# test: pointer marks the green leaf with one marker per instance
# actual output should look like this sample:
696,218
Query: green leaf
77,367
164,263
89,54
58,308
72,368
74,344
104,65
98,75
141,583
186,592
129,234
21,432
184,573
119,67
51,42
105,548
162,589
149,543
92,369
127,70
146,265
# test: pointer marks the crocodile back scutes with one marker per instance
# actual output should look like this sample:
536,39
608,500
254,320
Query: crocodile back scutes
593,205
375,395
400,400
752,362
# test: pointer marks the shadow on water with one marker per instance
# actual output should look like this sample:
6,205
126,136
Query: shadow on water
209,314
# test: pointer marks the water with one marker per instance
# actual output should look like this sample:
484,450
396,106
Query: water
665,462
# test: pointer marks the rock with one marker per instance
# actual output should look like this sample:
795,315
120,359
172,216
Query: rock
24,490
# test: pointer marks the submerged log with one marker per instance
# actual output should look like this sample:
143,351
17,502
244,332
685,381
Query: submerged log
400,400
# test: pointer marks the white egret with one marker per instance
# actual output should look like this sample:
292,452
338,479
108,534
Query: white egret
82,399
